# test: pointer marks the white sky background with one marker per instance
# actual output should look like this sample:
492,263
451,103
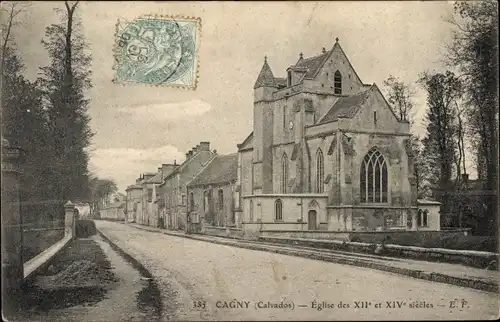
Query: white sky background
139,127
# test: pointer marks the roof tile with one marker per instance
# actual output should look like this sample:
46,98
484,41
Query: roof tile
222,169
345,107
266,77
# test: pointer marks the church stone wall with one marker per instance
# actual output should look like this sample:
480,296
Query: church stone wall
325,77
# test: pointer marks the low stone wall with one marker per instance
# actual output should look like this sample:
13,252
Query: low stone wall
401,236
35,241
311,234
466,257
223,232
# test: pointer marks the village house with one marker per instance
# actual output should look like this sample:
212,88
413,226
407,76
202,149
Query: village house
143,204
327,152
133,200
210,193
113,211
172,198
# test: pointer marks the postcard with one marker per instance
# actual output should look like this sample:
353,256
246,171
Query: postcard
256,161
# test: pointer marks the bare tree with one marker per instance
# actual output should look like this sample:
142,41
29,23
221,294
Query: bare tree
400,96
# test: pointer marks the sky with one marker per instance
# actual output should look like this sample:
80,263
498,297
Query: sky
139,127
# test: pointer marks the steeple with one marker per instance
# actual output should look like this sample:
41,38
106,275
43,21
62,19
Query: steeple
266,77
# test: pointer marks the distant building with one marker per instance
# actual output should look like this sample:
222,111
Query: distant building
133,199
210,193
172,192
113,211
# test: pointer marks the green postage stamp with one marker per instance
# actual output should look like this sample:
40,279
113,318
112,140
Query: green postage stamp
157,50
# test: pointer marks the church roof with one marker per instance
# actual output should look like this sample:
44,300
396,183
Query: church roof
312,64
266,77
248,138
345,107
222,169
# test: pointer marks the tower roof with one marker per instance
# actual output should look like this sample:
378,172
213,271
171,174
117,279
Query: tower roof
266,77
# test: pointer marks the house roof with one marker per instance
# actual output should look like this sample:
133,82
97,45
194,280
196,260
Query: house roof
266,77
179,168
134,186
222,169
345,107
156,179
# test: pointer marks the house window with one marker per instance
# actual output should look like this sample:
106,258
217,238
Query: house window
150,195
337,83
191,201
320,172
373,178
183,199
289,78
278,210
251,210
284,173
375,118
221,199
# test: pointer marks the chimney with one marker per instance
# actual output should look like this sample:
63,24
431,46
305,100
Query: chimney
204,146
323,50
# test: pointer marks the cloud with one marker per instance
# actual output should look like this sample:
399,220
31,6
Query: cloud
168,111
124,165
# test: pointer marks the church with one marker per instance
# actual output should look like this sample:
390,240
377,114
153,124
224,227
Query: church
327,153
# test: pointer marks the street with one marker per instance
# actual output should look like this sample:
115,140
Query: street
205,281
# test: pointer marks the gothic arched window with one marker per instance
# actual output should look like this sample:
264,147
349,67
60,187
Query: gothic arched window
373,178
320,172
284,173
278,210
337,82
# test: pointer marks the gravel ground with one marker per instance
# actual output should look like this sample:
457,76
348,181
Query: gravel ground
188,271
89,281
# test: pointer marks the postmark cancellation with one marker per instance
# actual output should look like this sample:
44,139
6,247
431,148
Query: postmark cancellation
157,50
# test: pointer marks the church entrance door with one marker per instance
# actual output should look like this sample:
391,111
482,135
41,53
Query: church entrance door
311,220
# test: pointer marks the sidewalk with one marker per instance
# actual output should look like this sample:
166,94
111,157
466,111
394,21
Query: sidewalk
455,274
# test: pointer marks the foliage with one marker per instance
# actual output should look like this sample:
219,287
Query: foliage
474,52
400,96
64,83
439,144
100,189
